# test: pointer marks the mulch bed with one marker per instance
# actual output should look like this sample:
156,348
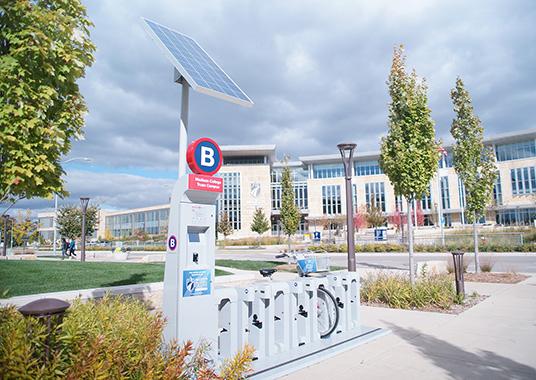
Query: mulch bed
469,302
495,278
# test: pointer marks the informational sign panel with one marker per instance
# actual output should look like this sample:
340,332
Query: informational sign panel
195,283
380,234
317,236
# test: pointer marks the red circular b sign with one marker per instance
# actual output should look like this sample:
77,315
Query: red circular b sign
204,156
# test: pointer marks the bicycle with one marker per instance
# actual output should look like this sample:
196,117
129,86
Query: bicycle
327,308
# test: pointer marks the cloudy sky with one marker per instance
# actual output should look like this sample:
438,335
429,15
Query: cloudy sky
316,71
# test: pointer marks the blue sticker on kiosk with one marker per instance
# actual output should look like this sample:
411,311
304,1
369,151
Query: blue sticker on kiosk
307,265
195,282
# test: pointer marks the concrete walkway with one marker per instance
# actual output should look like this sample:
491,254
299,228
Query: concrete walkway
493,340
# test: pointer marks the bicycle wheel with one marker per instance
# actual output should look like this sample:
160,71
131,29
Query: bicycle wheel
327,312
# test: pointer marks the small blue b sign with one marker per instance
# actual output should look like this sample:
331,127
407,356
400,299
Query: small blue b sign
317,236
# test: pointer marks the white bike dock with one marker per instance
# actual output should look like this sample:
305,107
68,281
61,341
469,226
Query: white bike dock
281,321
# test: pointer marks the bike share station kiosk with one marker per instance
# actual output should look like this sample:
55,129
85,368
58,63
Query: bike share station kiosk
290,324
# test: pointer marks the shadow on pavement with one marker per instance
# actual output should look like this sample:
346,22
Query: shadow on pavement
461,364
135,278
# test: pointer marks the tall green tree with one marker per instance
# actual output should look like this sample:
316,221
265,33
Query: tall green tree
409,153
474,163
24,228
44,50
69,221
260,223
225,227
290,215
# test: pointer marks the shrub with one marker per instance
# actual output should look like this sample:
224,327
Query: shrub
396,291
114,338
486,264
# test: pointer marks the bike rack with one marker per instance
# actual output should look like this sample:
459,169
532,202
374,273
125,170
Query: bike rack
226,300
279,319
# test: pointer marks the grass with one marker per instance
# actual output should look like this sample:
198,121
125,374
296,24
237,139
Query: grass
247,264
31,277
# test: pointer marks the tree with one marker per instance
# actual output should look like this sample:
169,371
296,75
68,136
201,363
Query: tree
409,152
260,223
360,218
108,235
69,221
375,217
419,214
44,51
397,219
225,227
290,215
474,163
24,229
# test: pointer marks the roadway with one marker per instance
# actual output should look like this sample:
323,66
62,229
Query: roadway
503,262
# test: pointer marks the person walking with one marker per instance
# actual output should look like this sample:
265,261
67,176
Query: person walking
64,248
72,248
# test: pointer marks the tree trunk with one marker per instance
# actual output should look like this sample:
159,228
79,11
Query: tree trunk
289,258
475,242
410,246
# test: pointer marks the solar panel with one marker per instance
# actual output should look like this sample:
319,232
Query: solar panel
195,65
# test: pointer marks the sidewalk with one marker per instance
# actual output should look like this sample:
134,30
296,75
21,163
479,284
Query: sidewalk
493,340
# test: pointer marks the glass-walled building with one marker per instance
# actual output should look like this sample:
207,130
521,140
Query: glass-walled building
252,180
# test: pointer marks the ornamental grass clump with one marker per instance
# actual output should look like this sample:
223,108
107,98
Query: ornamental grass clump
395,291
112,338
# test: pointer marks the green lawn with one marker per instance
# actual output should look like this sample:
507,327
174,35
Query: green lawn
30,277
247,264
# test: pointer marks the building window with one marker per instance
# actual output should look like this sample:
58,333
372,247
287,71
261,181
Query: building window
300,195
367,168
297,174
328,171
445,193
375,195
510,217
229,200
461,193
331,200
426,200
244,160
497,190
515,151
446,160
523,180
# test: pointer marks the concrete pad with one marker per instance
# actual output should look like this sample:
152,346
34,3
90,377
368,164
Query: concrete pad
493,340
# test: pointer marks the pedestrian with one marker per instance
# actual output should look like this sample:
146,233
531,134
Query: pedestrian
64,248
72,248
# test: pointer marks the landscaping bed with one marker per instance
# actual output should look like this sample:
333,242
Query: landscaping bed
495,278
435,293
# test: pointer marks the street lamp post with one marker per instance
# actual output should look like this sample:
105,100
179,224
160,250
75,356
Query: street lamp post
347,153
54,224
84,202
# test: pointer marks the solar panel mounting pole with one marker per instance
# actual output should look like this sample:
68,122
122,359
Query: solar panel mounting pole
183,131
